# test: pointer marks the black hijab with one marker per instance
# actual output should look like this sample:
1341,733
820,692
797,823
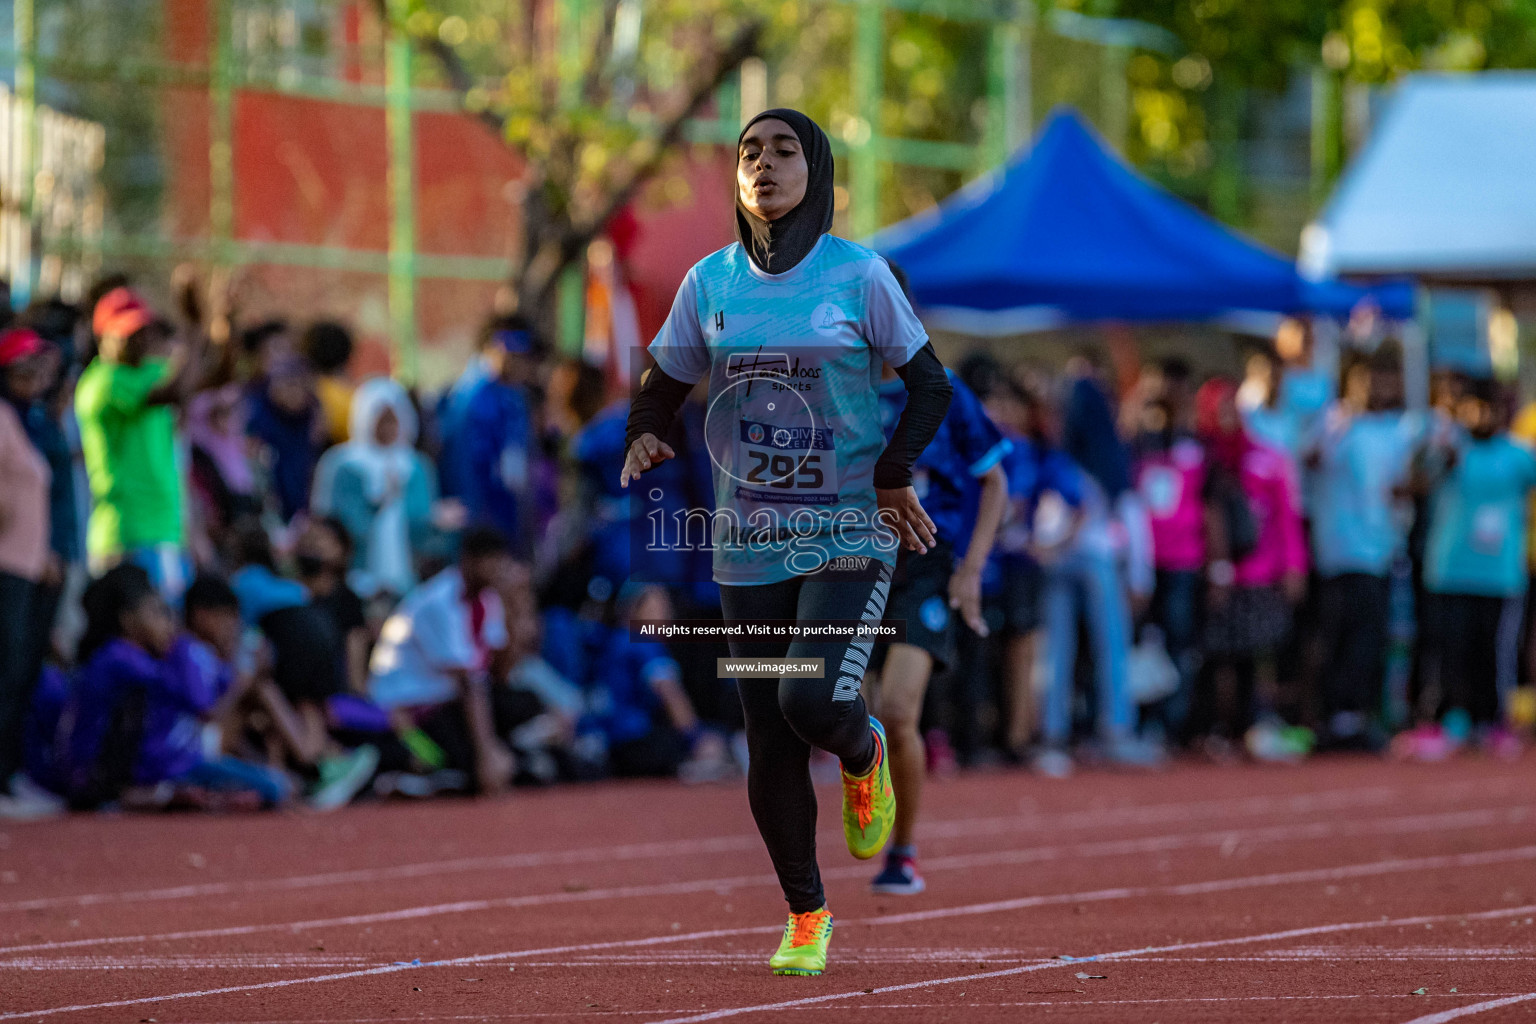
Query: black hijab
793,235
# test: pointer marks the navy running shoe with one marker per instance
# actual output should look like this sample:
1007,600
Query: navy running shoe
899,877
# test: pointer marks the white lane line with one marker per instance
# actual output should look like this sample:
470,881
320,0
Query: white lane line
615,1012
1139,1002
1355,870
1340,799
1383,867
1224,838
1467,1011
462,961
1125,954
505,862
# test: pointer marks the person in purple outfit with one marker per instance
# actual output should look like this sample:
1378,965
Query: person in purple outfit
140,700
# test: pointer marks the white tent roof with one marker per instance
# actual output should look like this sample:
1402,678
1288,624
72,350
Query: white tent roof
1445,187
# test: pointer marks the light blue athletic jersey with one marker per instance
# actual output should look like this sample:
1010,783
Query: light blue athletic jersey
1477,525
1358,523
793,428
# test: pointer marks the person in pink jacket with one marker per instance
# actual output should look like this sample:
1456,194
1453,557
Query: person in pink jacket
1171,474
1256,571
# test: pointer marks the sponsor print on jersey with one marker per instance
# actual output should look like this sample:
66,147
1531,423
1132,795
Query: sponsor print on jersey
796,438
777,370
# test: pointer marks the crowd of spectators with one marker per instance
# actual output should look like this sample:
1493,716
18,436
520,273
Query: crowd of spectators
232,575
1265,568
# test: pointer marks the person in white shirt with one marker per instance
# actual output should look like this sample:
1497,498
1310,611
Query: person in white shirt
438,658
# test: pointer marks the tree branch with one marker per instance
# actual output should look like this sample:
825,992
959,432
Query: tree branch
743,45
602,50
460,78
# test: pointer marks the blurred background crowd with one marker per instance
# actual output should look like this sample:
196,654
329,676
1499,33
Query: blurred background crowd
322,315
236,576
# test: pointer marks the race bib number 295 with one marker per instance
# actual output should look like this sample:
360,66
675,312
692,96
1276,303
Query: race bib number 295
789,465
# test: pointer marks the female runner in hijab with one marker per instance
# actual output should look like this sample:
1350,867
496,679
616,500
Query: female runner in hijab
790,325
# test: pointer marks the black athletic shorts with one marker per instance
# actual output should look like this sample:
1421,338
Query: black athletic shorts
920,597
1019,598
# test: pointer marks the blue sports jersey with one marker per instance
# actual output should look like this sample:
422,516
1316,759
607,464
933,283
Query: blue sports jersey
792,427
621,521
1032,471
967,445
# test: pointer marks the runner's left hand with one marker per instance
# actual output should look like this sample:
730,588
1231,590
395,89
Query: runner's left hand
901,511
965,594
647,451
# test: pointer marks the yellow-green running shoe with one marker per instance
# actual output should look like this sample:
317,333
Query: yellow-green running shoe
803,950
869,802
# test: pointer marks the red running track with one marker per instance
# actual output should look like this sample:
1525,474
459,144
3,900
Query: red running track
1343,890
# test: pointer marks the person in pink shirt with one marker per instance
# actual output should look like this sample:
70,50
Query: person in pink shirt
24,551
1257,567
1171,479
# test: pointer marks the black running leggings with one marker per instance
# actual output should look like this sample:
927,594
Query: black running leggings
786,717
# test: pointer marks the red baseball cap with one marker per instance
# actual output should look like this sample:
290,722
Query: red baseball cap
119,313
19,343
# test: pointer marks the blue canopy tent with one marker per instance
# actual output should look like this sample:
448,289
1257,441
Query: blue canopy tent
1068,232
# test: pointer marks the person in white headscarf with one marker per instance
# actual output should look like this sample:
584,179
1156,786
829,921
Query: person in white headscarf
381,489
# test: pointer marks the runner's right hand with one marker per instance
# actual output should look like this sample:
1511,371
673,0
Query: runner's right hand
900,510
647,451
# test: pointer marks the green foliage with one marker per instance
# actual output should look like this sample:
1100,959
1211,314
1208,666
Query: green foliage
933,86
1231,44
90,32
580,87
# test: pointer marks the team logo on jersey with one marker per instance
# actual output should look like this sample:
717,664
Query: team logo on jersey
934,613
827,319
755,433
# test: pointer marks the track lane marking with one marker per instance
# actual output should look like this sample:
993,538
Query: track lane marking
1340,799
1467,1011
1107,848
1125,954
1354,870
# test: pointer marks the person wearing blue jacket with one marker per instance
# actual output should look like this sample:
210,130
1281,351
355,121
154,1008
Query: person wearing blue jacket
488,440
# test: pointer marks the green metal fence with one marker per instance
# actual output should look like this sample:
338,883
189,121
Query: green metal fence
1019,67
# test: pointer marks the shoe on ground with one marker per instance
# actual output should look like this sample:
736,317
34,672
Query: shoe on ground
1427,743
1052,763
342,777
1299,739
1502,743
803,950
21,799
899,877
1134,752
938,755
869,802
1269,743
1458,726
419,786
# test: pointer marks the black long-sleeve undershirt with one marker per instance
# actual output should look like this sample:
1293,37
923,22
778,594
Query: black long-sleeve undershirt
655,406
928,395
